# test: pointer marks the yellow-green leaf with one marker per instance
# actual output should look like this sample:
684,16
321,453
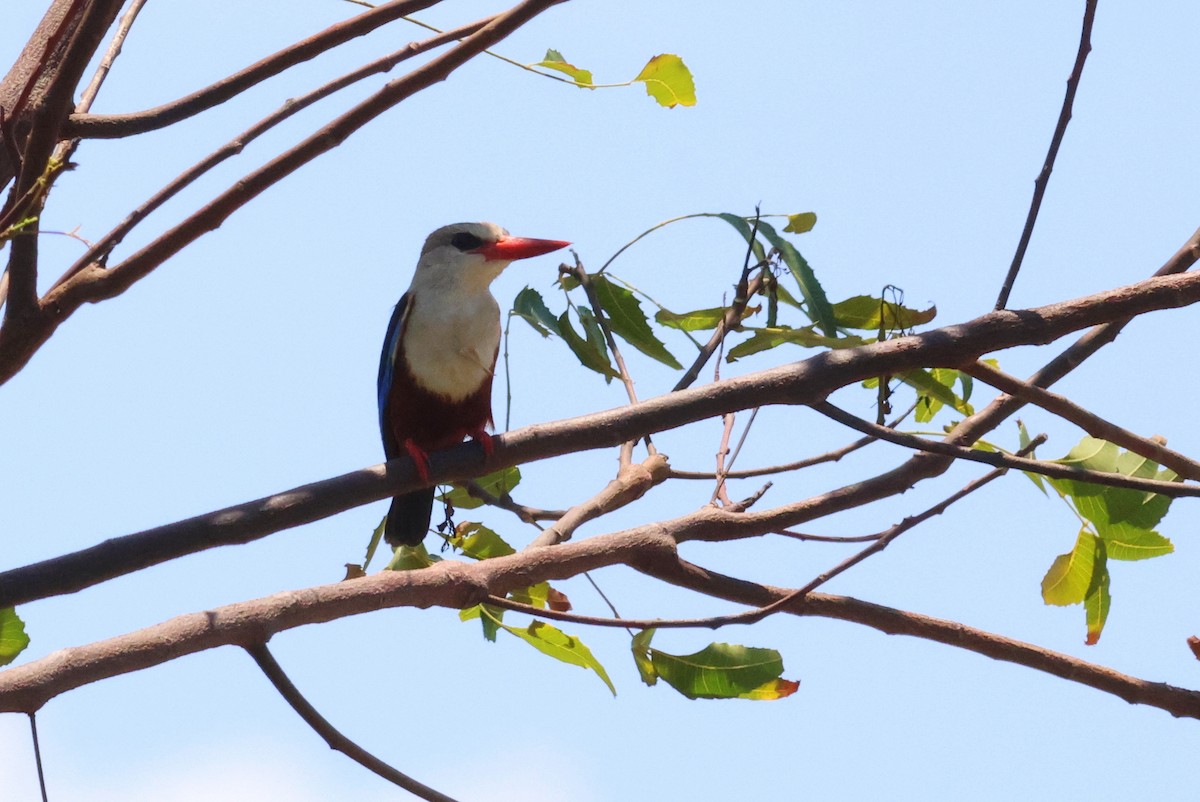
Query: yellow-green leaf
497,483
801,223
555,61
668,81
557,644
1096,607
412,558
1071,575
870,314
478,542
696,320
13,638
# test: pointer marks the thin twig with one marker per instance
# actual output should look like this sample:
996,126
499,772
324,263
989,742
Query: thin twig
104,246
1090,422
770,470
1043,179
330,734
998,459
114,50
527,514
37,756
111,126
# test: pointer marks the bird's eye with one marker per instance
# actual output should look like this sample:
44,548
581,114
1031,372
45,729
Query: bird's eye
465,242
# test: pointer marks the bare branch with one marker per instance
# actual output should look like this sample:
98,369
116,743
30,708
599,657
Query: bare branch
1179,702
91,286
632,482
330,734
1051,469
1090,422
101,249
114,126
1060,130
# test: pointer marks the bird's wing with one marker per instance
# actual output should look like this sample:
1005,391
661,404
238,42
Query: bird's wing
387,372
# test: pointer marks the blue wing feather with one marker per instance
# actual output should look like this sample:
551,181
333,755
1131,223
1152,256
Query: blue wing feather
387,372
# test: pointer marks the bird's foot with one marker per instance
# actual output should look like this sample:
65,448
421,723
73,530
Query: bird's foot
420,459
485,441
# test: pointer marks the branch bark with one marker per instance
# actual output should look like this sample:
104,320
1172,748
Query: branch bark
804,382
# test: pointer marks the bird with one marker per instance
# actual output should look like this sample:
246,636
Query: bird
439,356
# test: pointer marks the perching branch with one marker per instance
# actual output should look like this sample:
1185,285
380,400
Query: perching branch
805,382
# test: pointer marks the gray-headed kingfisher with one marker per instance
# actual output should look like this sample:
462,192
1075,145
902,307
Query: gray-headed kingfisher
435,373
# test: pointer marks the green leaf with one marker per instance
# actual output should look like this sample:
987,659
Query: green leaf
1024,440
1125,541
744,228
668,81
588,353
641,656
935,388
801,223
555,61
696,320
534,595
498,484
1071,575
530,307
411,558
766,338
478,542
1096,607
629,322
376,538
718,671
870,314
13,638
490,622
559,645
819,308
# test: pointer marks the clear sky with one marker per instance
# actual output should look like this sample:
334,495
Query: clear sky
246,366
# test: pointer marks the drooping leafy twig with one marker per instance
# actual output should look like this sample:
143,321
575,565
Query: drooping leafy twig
998,459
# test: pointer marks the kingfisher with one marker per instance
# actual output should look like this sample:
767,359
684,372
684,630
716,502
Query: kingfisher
439,356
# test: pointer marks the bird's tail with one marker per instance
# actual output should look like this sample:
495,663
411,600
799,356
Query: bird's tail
408,518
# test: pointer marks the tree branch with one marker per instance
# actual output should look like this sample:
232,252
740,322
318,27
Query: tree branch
999,459
805,382
330,734
115,126
1060,130
1090,422
91,286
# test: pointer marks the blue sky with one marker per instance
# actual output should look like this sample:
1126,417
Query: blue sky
245,366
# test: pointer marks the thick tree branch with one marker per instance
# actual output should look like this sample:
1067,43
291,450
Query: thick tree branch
26,688
804,382
114,126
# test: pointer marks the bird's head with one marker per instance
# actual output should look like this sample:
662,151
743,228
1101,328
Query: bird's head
471,255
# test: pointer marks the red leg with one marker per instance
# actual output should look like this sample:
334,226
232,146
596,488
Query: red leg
420,458
485,441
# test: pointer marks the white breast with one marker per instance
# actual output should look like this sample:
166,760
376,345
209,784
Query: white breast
450,340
